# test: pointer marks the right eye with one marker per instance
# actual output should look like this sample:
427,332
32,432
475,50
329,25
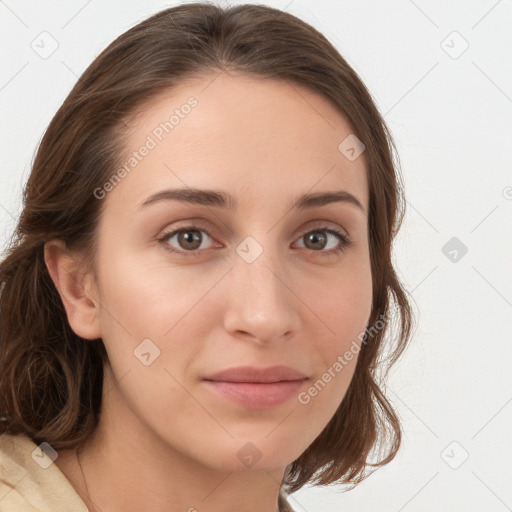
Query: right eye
189,240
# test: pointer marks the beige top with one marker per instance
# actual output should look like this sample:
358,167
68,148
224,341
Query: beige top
31,482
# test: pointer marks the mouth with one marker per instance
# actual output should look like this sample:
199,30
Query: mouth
257,395
260,375
257,388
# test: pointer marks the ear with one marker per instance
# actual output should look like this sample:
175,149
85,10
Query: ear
76,290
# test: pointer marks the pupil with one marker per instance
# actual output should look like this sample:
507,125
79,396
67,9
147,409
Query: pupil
189,237
315,237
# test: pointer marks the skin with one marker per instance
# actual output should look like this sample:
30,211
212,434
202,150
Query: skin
169,440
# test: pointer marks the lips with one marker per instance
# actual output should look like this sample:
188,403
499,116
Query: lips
252,374
256,388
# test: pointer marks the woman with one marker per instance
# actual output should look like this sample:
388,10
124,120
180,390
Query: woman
198,290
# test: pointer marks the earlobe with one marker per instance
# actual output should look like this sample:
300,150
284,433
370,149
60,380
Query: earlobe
82,308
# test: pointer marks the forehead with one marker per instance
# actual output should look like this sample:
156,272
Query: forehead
258,138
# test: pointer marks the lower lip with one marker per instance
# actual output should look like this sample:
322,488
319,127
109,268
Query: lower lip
257,395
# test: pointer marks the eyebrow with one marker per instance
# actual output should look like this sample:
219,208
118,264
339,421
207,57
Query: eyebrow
224,200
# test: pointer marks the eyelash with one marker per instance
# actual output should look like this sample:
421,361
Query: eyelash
346,241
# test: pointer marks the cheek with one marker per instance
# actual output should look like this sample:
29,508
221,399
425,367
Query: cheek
148,335
341,302
343,307
154,322
144,298
336,359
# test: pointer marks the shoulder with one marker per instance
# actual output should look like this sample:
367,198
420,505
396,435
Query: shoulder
30,481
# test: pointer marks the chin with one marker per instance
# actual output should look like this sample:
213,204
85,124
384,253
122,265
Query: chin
255,453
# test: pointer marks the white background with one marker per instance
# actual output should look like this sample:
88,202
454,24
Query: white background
451,119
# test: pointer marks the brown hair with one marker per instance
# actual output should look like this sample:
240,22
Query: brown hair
50,378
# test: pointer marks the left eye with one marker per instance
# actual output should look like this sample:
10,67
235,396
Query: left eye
190,240
320,237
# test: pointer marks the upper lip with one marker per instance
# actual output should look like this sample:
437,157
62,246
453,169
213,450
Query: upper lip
253,374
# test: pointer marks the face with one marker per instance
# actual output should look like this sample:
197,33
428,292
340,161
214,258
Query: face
189,289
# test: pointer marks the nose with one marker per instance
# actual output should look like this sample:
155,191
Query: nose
261,304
